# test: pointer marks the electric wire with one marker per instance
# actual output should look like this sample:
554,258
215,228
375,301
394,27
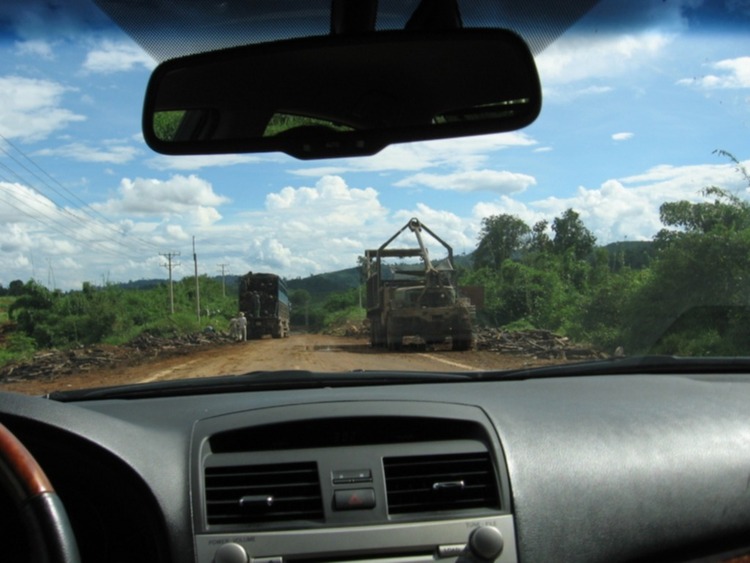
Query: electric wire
114,234
55,223
84,207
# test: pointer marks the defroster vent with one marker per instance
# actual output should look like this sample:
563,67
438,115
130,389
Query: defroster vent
434,483
263,493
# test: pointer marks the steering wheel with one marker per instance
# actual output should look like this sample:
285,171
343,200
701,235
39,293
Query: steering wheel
50,534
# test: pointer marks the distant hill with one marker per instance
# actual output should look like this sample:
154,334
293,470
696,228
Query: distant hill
323,284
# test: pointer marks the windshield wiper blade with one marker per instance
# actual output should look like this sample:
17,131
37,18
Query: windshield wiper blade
635,365
256,381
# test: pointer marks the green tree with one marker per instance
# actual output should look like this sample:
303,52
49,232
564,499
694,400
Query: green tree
572,236
697,299
500,238
540,241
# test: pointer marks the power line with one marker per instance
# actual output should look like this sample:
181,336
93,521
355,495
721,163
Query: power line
57,223
93,229
84,207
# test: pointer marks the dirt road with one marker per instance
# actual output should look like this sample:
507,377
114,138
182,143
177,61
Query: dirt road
312,352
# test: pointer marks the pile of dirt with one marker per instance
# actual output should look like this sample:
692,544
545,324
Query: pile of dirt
51,364
542,344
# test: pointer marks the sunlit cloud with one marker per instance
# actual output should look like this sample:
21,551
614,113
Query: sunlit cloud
190,197
110,57
31,109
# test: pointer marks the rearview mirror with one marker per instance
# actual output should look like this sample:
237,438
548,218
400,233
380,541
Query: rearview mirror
333,96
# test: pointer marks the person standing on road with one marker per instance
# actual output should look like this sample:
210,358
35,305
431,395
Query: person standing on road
242,323
234,328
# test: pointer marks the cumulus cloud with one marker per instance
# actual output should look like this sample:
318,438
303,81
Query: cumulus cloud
30,108
729,74
111,56
499,181
188,196
329,203
309,229
623,136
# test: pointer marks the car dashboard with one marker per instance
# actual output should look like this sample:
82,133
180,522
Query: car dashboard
615,468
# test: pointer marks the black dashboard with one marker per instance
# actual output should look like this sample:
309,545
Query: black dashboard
616,468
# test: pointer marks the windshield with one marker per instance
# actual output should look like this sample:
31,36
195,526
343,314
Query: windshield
616,225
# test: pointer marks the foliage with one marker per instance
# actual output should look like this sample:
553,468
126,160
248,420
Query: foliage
501,237
572,236
53,319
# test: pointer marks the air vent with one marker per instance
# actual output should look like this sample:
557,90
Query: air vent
436,483
263,493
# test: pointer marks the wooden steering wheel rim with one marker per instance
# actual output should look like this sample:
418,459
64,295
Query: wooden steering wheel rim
50,534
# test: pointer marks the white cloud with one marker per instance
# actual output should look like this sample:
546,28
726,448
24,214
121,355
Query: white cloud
499,181
112,56
731,73
23,205
623,136
624,208
114,154
457,231
196,162
177,232
188,196
464,153
329,204
36,48
30,108
309,229
585,56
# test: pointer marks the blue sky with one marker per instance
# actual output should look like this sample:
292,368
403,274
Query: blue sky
630,119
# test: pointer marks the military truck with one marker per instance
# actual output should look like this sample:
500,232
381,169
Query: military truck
415,300
264,300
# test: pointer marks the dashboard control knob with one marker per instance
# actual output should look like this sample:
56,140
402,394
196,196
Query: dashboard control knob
231,553
486,542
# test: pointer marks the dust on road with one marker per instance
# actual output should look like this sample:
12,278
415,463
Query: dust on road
313,352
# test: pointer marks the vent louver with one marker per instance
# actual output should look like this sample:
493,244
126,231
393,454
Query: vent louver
263,493
440,483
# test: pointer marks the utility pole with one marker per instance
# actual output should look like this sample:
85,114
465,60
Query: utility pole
197,285
50,275
223,284
169,265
